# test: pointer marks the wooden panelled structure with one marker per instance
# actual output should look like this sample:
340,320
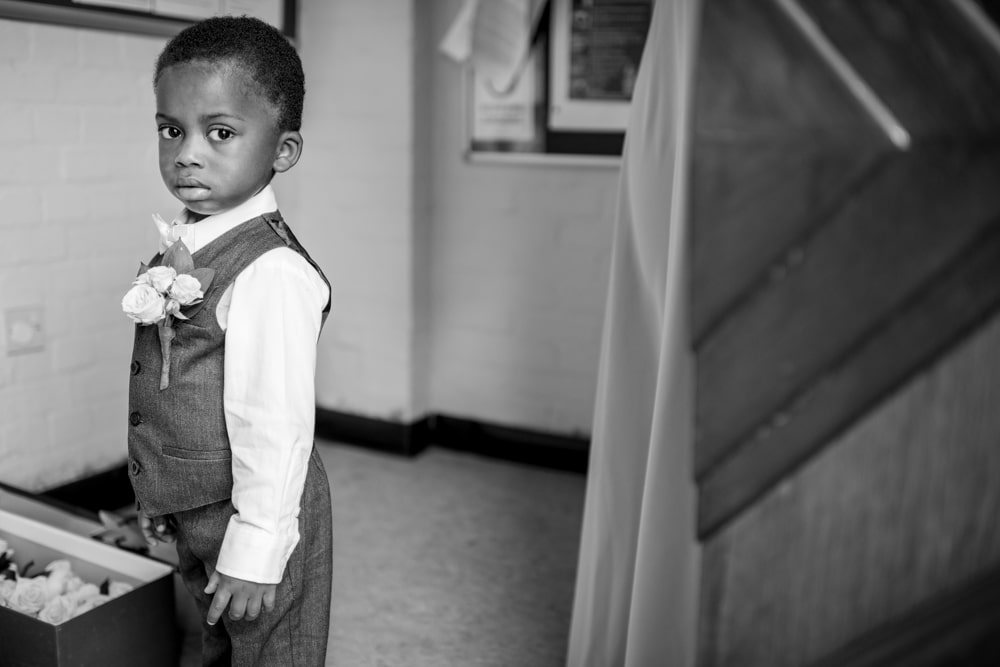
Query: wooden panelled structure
846,215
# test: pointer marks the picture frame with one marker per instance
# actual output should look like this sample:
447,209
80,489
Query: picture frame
527,124
595,52
162,18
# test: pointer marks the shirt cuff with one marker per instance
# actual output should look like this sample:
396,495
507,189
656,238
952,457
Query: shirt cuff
256,555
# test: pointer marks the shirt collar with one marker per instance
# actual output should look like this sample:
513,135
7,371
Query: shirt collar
199,234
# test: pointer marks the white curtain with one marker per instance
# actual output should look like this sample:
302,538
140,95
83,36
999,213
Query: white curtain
637,582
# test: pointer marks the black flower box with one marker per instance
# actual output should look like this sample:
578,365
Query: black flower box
137,628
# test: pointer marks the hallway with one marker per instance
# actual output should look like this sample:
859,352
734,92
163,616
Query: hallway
449,560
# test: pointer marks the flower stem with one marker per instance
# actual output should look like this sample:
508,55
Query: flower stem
166,335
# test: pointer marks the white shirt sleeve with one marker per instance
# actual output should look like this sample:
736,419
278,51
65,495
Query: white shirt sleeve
274,318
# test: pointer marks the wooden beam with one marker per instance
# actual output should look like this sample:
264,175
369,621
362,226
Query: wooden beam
753,198
955,303
957,627
837,290
923,59
757,74
898,509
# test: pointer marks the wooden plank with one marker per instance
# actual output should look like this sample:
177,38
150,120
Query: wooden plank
778,140
954,304
753,198
756,75
838,288
901,508
922,59
960,627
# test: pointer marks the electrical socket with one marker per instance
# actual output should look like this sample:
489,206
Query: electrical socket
25,329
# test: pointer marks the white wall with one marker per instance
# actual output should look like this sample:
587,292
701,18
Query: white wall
504,267
78,181
353,205
473,291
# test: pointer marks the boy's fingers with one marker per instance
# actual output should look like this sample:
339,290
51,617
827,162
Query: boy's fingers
253,608
166,536
160,526
219,602
213,583
269,595
146,527
237,607
165,525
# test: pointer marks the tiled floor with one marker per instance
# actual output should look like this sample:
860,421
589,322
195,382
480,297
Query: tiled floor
449,560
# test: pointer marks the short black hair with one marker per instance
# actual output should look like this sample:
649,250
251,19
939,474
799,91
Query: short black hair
253,46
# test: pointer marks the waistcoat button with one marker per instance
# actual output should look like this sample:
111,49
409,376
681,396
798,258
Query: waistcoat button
135,419
136,368
134,466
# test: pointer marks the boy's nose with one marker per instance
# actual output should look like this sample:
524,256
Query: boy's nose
190,154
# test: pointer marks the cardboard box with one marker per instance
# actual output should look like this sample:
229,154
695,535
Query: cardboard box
137,628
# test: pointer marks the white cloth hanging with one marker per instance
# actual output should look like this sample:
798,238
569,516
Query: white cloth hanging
636,595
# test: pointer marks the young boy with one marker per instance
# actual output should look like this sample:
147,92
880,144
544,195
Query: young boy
222,458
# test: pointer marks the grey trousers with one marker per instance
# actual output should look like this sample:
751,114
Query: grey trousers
294,633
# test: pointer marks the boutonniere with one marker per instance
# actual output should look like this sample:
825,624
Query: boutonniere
161,294
54,595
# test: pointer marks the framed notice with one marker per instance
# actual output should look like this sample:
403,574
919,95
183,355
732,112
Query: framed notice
570,101
596,49
509,119
149,17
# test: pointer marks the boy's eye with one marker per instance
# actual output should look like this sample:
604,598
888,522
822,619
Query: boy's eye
169,132
220,134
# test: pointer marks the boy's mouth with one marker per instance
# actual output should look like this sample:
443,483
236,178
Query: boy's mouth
190,188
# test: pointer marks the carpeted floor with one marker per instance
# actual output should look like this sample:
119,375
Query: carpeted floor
449,560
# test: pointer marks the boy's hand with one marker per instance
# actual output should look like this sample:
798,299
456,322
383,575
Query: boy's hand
157,528
244,598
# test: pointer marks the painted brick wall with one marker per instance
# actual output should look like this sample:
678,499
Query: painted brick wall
470,290
353,202
78,181
519,271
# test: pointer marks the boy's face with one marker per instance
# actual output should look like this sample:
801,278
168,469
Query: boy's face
219,139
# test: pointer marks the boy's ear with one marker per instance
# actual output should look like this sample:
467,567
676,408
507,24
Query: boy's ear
289,150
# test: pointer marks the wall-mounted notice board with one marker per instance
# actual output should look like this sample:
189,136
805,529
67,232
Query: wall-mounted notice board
147,17
571,100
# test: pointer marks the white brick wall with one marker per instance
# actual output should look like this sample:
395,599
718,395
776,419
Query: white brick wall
518,276
473,291
351,199
78,181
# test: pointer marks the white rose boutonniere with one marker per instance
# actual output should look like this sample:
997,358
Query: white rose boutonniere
55,582
60,565
89,603
161,294
57,610
55,596
144,305
7,587
118,589
29,595
84,593
186,290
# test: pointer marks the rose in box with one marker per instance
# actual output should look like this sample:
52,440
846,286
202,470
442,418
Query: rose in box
137,628
56,594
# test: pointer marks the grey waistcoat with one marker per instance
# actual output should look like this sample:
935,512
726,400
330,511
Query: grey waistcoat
179,456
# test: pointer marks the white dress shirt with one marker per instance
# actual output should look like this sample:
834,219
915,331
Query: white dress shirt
271,315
